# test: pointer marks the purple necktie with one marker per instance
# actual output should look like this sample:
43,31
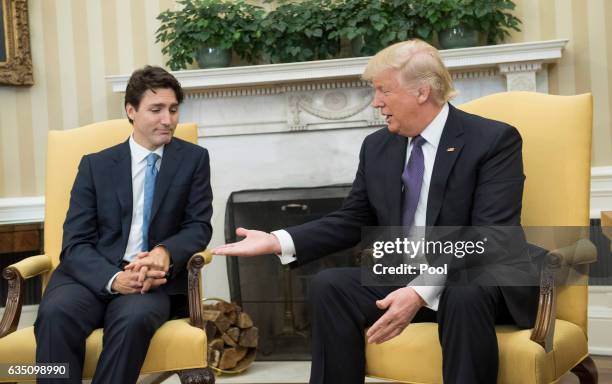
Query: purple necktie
412,179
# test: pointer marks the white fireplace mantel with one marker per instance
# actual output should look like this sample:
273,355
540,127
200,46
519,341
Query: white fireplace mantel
506,56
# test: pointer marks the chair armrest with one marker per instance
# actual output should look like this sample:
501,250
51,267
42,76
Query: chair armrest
194,266
16,274
580,253
32,266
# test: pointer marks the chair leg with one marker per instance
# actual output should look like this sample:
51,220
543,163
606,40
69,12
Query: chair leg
586,371
197,376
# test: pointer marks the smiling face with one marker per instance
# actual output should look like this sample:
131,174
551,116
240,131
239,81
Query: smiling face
156,117
400,105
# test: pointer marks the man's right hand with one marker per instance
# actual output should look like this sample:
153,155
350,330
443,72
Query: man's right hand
255,243
127,282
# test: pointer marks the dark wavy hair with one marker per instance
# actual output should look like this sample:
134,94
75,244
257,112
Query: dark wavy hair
150,78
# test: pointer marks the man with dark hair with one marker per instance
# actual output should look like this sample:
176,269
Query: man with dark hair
138,211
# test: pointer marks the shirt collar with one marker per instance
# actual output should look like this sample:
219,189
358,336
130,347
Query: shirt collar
139,153
433,132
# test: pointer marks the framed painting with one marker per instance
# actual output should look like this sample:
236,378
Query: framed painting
15,54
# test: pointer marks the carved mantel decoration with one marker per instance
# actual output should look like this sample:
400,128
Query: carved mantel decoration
15,54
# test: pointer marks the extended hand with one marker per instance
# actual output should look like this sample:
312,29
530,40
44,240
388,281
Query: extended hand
255,243
401,306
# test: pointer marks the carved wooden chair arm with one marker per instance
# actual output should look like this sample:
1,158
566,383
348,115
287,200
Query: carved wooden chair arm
16,274
580,253
194,266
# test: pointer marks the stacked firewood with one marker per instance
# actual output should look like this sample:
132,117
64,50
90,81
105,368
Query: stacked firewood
232,338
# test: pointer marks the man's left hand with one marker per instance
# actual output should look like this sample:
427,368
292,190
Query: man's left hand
158,259
401,305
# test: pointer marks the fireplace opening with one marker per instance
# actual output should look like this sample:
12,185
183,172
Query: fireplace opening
273,294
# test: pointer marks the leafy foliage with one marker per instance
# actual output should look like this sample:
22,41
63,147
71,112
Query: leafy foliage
226,24
312,29
301,31
493,18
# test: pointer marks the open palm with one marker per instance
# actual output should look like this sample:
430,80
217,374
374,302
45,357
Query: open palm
255,243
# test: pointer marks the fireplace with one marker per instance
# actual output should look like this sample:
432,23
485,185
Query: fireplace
273,294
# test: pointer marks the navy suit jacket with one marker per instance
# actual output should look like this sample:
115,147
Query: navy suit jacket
479,183
98,221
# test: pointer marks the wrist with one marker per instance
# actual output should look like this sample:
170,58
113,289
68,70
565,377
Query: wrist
165,252
421,302
276,245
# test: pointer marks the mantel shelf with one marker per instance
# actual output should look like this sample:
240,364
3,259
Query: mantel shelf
270,74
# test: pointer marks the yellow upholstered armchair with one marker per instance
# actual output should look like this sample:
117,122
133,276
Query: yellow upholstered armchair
556,133
178,346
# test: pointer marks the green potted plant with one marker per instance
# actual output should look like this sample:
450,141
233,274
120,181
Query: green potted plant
492,18
365,23
301,31
466,23
208,30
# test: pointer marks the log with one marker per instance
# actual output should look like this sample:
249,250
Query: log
241,352
221,306
214,357
234,333
229,358
232,316
248,337
210,314
244,321
211,330
228,340
217,344
221,321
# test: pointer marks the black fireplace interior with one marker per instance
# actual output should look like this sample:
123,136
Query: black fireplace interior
274,295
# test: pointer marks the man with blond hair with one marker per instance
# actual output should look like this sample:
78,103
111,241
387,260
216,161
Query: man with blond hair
433,165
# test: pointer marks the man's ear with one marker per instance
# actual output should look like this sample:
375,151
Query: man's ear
130,111
423,93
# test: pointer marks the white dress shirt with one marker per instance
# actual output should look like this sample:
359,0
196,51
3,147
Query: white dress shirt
139,167
430,293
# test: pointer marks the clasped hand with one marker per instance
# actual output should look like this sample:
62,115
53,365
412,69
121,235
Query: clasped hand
147,271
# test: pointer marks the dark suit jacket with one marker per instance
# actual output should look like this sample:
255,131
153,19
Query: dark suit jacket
480,183
98,222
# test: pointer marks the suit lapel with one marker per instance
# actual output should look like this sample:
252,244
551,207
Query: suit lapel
394,160
169,167
122,181
451,143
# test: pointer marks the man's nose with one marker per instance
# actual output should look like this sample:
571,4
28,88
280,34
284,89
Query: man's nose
376,102
165,118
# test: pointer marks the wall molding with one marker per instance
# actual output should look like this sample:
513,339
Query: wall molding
600,320
601,190
17,210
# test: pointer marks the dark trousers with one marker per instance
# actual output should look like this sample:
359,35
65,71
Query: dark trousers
69,312
342,308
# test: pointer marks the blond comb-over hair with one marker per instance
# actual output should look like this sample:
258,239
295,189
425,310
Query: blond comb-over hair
416,61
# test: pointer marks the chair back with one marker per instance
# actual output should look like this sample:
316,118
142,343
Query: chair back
556,132
64,152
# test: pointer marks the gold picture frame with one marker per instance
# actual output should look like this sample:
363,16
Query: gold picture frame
15,54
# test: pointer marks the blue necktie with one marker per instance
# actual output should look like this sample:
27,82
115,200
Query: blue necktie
149,189
412,179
